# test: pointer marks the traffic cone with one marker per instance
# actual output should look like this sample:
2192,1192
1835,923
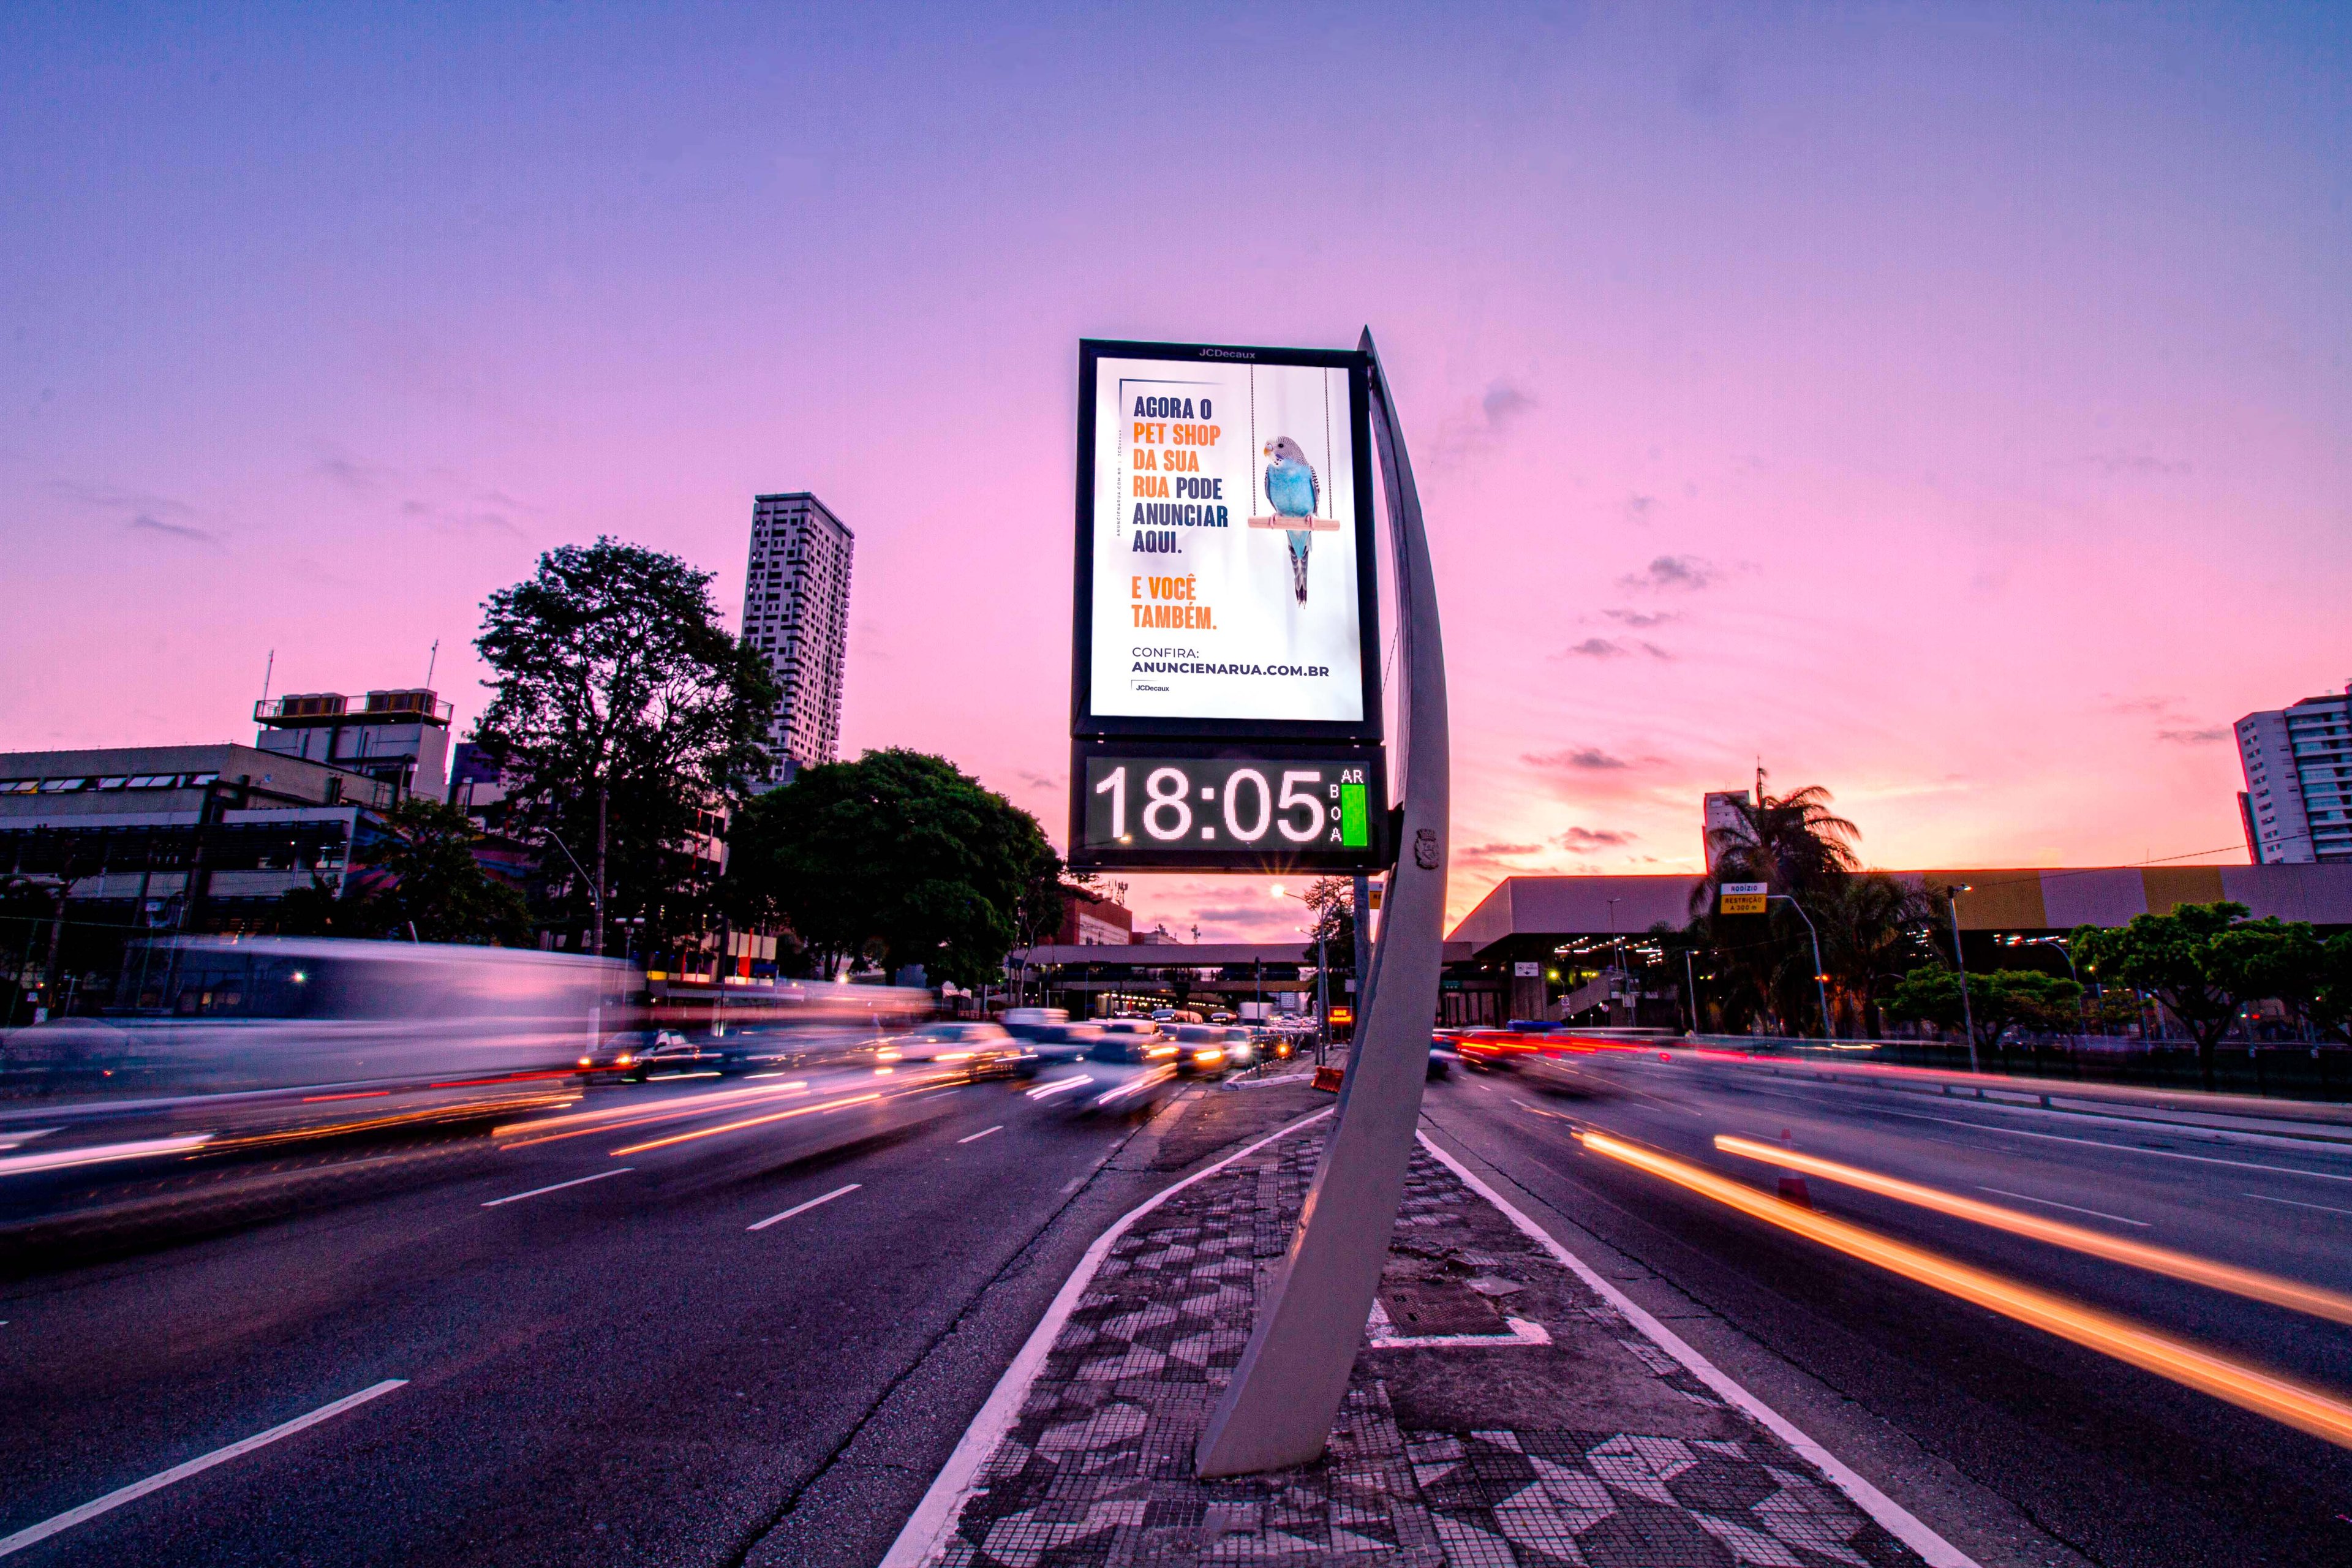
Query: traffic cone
1792,1187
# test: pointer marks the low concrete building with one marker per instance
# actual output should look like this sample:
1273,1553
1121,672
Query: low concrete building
182,837
1565,924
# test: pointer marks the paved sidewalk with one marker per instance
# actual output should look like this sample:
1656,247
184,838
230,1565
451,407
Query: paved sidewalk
1502,1414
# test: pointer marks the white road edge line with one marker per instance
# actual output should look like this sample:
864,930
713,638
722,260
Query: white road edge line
982,1133
926,1533
2118,1148
1899,1521
804,1208
2290,1203
558,1186
33,1534
2070,1208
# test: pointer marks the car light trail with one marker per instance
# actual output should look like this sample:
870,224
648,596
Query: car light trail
621,1116
747,1121
2249,1388
1046,1091
2288,1293
95,1154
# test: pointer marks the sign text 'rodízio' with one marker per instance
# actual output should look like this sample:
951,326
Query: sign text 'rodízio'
1743,898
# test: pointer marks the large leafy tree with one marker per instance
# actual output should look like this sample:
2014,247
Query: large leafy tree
899,857
2028,998
2180,959
1794,841
623,709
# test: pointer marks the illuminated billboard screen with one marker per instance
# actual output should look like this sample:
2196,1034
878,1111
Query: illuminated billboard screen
1225,571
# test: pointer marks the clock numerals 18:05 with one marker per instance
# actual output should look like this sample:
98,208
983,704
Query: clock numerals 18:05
1145,802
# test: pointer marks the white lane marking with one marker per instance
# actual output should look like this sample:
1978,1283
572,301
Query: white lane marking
1900,1521
2293,1205
115,1500
804,1208
558,1186
2052,1202
978,1136
926,1530
2120,1148
92,1154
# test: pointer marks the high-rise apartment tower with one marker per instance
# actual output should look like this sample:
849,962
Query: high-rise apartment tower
2297,803
797,613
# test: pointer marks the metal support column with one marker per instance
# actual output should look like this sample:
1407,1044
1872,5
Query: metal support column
1279,1407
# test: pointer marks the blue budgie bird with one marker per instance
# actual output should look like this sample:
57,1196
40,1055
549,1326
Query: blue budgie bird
1293,490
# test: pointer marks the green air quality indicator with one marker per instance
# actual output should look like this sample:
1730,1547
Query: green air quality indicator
1355,818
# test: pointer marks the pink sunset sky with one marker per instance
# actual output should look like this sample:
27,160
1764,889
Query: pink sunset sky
1947,405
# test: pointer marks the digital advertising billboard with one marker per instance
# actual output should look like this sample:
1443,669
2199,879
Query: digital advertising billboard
1225,569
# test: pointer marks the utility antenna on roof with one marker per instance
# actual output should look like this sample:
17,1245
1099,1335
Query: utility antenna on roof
267,669
432,659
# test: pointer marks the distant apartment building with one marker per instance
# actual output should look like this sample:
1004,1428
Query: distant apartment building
797,613
1723,811
2297,807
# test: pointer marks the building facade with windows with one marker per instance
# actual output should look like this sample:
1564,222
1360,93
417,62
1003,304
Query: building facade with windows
797,613
2297,807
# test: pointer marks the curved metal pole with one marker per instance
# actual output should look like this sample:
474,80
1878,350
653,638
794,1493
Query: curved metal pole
1278,1409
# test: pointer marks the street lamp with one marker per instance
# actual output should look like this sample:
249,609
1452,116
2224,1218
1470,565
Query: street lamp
1952,892
1322,976
1821,975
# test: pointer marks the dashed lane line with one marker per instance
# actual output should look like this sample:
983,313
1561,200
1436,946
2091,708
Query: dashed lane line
982,1133
2070,1208
558,1186
33,1534
804,1208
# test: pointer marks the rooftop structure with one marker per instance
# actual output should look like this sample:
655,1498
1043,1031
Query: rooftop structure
400,737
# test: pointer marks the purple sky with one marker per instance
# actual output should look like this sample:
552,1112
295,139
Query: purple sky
1949,405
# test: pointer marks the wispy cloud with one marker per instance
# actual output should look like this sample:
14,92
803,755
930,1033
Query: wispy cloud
2195,737
1494,851
1672,574
1602,648
1585,759
1642,619
144,523
2143,465
1637,507
1480,426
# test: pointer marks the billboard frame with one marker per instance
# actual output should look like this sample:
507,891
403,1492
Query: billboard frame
1084,723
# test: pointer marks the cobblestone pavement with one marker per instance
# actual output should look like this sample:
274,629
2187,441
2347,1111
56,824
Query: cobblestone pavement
1585,1444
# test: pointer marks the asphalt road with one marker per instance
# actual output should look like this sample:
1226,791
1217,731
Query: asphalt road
611,1348
2120,1464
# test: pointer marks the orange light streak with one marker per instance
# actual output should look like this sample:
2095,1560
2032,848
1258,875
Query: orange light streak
2288,1293
622,1116
2265,1394
747,1121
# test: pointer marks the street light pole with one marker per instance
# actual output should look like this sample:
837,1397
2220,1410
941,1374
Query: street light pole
1691,982
1821,977
1960,961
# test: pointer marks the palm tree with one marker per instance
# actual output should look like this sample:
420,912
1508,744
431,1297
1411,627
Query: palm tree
1804,851
1792,841
1875,929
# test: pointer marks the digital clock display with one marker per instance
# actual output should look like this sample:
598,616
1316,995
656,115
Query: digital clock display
1269,807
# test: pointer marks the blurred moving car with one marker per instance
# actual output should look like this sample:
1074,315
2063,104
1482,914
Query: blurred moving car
1062,1042
1441,1055
973,1050
1199,1050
